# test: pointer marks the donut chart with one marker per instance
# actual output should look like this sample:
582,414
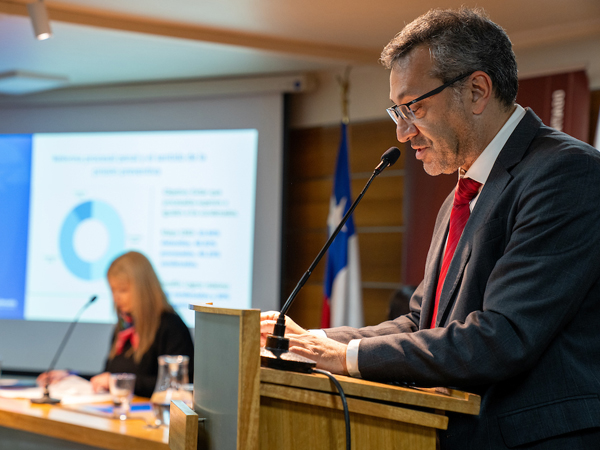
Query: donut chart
104,213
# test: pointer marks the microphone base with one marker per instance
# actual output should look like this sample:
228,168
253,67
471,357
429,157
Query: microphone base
277,344
45,400
285,360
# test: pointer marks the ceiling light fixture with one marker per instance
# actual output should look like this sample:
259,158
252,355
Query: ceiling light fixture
39,19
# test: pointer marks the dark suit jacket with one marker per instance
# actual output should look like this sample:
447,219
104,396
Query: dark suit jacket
519,314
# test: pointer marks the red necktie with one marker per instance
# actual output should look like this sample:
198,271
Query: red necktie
466,191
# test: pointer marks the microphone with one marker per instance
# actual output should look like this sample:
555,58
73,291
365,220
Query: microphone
276,354
388,159
46,397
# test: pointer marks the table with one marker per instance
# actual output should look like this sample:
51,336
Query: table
21,418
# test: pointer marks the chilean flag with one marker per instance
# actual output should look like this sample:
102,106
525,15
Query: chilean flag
343,298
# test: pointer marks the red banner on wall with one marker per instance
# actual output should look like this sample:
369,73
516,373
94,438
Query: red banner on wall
562,101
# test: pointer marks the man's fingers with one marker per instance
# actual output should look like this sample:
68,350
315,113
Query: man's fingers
302,351
267,325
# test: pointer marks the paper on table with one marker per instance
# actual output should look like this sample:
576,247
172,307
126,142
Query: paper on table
81,399
69,390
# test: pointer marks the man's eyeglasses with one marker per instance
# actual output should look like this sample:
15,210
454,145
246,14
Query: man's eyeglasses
403,111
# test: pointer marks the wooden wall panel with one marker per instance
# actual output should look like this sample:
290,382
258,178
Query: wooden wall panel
379,218
306,310
369,141
380,257
382,204
307,216
302,248
312,152
376,304
308,203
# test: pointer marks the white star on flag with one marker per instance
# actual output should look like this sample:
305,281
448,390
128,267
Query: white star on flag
336,214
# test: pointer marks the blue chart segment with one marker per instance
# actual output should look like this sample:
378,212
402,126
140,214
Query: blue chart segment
104,213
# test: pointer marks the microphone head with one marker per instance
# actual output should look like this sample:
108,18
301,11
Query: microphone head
391,155
93,299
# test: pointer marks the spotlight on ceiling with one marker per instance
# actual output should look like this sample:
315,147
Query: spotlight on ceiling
39,19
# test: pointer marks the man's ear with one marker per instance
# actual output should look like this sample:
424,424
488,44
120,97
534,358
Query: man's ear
480,85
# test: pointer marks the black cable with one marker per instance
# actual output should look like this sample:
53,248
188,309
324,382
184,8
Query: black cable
344,402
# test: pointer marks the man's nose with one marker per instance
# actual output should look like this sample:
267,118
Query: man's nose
405,131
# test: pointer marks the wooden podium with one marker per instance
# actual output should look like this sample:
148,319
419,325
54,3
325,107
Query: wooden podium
242,406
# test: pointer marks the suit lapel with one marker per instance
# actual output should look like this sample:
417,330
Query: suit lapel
511,154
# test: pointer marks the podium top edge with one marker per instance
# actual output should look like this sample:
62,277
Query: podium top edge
211,309
455,401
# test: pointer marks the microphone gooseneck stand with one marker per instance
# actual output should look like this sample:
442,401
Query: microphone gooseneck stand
276,354
46,399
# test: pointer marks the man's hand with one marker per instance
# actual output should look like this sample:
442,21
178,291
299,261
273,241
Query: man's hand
267,322
329,354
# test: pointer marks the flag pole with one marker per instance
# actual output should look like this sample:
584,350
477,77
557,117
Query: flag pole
344,83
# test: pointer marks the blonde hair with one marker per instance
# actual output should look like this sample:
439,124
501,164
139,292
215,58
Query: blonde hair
148,299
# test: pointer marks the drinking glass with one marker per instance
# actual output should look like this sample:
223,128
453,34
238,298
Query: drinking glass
121,387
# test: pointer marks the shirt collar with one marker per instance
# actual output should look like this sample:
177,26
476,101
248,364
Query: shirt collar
481,168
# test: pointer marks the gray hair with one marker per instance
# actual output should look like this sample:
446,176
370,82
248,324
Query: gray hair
460,41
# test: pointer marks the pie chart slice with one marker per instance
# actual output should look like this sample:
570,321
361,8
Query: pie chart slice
105,214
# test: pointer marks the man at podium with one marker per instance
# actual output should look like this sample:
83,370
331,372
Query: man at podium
510,303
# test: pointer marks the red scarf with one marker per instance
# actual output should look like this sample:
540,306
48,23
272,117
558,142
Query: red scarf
128,334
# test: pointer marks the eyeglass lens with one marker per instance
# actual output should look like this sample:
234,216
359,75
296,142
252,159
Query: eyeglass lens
401,111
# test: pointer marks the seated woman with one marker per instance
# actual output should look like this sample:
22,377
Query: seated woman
147,327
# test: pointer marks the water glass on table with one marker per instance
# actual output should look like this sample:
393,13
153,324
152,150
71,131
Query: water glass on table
121,387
